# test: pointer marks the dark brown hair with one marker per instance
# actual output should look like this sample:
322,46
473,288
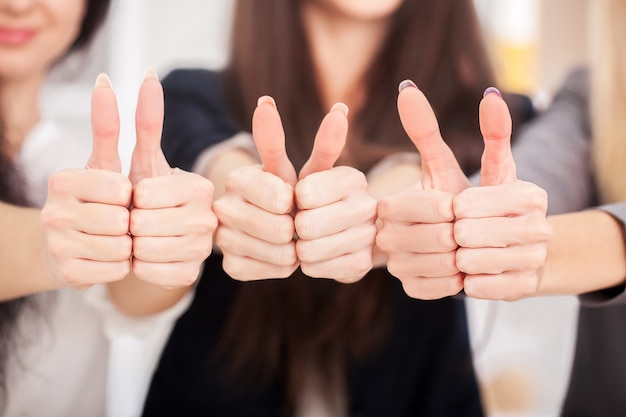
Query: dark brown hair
284,325
95,14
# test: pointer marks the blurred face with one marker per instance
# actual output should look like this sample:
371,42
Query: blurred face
362,9
34,34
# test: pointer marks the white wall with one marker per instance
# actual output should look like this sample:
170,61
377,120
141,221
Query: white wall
162,34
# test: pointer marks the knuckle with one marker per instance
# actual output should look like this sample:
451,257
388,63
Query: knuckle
69,274
284,229
448,264
445,236
141,195
53,216
304,225
220,208
527,285
199,252
537,199
444,210
465,261
57,247
140,247
397,268
60,182
462,236
235,269
305,250
124,245
282,198
188,275
136,222
287,255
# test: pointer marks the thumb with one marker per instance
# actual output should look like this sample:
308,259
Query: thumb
497,165
441,171
329,141
148,159
269,138
105,127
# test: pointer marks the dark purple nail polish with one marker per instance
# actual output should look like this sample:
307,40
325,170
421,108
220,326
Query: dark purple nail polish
490,90
406,83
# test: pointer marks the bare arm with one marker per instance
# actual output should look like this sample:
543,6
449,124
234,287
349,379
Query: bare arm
586,253
23,261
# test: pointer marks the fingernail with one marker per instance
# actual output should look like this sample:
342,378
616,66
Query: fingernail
340,107
151,74
406,83
103,80
266,99
490,90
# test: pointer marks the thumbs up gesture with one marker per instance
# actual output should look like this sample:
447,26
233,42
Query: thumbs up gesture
417,229
501,226
171,219
101,225
442,235
326,208
86,215
336,216
256,228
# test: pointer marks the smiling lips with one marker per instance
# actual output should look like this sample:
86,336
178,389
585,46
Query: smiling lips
15,36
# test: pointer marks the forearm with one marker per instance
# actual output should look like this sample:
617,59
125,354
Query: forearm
24,264
586,253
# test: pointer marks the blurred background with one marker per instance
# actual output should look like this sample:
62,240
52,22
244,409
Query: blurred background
523,364
534,43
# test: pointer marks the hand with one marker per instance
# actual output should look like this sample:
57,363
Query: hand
86,215
256,231
334,217
87,219
335,221
501,227
171,218
417,229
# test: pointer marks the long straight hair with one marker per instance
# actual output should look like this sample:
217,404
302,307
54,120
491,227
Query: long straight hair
281,328
608,97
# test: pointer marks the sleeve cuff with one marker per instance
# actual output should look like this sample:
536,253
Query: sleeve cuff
241,140
616,295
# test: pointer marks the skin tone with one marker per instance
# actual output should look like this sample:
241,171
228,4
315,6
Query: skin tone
265,248
344,36
156,247
84,236
145,235
34,35
494,240
341,249
25,270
